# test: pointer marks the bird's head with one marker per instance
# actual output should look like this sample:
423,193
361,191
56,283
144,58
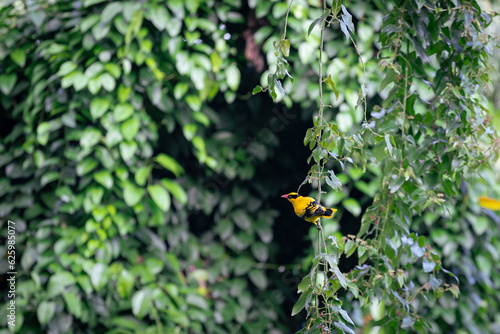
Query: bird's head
291,196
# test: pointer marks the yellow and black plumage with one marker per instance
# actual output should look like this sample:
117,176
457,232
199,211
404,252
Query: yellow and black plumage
308,208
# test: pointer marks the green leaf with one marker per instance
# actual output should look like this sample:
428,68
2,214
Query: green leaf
122,111
388,143
257,90
233,77
98,107
455,291
224,229
390,77
60,280
303,301
201,118
142,174
73,303
176,190
125,284
340,276
89,22
280,88
480,224
94,69
39,158
285,47
43,132
127,150
421,52
154,265
216,61
350,248
105,157
49,177
241,219
45,311
332,85
98,276
123,93
170,163
189,130
129,128
79,80
132,194
160,196
311,27
141,303
68,80
111,11
173,261
365,225
99,31
242,265
90,137
280,9
260,251
127,66
88,3
333,181
345,315
107,81
104,177
197,300
194,102
305,283
134,26
180,90
395,184
7,82
353,206
159,16
368,189
66,68
113,69
85,166
258,278
18,56
94,86
343,327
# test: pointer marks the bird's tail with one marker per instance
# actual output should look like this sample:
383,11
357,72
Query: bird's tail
329,213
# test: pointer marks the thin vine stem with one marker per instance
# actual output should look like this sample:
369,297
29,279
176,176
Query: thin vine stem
364,84
321,104
405,97
286,20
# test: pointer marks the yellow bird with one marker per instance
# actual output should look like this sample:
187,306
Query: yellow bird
308,208
489,203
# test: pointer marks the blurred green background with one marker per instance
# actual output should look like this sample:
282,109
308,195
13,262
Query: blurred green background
144,178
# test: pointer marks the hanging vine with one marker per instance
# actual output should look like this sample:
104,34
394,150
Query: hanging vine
424,148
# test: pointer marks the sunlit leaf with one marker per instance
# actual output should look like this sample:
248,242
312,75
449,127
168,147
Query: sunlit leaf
160,196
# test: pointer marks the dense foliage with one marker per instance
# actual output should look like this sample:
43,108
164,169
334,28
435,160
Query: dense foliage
429,137
141,173
108,162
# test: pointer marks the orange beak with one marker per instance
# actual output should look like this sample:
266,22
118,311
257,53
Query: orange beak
284,196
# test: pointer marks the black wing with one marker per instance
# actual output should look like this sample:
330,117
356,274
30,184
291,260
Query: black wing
313,209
